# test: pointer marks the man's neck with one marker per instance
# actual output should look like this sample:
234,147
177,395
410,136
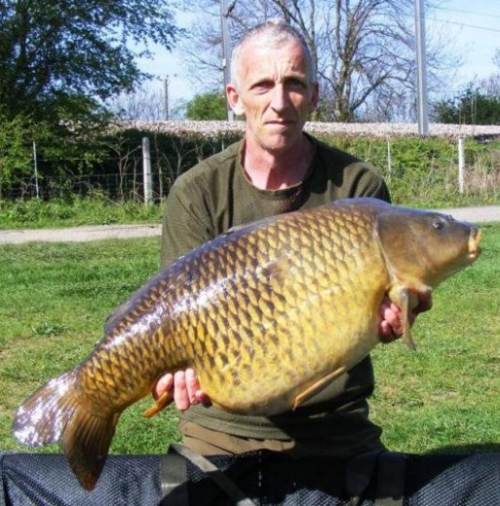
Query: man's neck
274,171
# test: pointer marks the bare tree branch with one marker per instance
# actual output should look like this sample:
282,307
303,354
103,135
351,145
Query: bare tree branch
364,50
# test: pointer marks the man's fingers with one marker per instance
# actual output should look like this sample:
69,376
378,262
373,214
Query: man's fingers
192,385
391,325
203,398
386,333
181,396
164,384
196,395
185,387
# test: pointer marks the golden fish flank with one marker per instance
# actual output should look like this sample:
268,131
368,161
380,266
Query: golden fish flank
282,306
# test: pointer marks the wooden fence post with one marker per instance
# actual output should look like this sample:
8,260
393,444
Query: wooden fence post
461,165
146,165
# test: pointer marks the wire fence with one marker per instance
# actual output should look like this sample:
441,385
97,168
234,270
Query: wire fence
116,187
426,166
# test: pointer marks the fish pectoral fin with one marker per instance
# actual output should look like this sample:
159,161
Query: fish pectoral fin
318,386
160,404
405,310
401,296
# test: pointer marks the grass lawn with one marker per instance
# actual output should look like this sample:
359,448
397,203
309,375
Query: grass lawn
444,396
54,299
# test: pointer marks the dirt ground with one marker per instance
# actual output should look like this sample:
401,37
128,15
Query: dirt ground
95,233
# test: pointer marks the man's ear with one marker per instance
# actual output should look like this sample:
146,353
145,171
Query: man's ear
234,100
315,96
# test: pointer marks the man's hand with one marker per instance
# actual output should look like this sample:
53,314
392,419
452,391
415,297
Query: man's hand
185,386
391,326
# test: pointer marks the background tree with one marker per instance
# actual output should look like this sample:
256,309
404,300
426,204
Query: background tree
61,60
145,103
470,107
15,156
490,85
364,50
207,106
53,53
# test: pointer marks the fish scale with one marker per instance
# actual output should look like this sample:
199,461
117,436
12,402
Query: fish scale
267,315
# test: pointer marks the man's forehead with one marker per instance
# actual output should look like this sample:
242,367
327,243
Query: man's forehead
258,44
259,58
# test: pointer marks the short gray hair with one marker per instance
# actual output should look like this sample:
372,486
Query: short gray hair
273,32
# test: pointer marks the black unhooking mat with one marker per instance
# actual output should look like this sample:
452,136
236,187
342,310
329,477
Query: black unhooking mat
259,478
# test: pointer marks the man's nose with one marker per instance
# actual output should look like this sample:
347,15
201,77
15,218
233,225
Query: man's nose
279,98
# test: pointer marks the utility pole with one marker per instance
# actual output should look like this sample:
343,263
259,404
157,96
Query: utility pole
422,105
226,52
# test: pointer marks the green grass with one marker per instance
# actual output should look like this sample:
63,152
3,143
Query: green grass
58,213
54,299
53,303
446,393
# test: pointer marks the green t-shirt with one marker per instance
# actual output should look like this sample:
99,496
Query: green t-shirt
215,196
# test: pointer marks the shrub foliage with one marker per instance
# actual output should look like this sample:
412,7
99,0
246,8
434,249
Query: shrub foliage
419,170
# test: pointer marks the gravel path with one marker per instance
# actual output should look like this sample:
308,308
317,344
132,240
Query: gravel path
78,234
95,233
485,214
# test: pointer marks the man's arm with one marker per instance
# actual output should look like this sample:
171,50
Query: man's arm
185,225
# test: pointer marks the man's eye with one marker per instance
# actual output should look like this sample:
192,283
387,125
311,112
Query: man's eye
262,85
296,83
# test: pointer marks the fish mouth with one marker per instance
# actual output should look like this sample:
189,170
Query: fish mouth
474,239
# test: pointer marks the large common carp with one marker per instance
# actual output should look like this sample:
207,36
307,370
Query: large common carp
267,315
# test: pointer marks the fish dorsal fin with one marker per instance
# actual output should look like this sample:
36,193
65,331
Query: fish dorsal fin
236,228
251,225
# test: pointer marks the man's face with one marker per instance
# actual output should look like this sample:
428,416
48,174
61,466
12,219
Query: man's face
274,93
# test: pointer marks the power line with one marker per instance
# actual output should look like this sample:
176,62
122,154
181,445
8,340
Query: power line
467,25
468,12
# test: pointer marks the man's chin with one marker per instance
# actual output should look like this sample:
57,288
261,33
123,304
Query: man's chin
282,143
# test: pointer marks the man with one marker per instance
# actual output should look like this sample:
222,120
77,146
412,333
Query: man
276,168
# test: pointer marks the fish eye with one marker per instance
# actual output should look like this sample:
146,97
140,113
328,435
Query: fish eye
438,223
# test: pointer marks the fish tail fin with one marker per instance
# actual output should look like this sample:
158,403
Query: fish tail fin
42,418
55,412
86,443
